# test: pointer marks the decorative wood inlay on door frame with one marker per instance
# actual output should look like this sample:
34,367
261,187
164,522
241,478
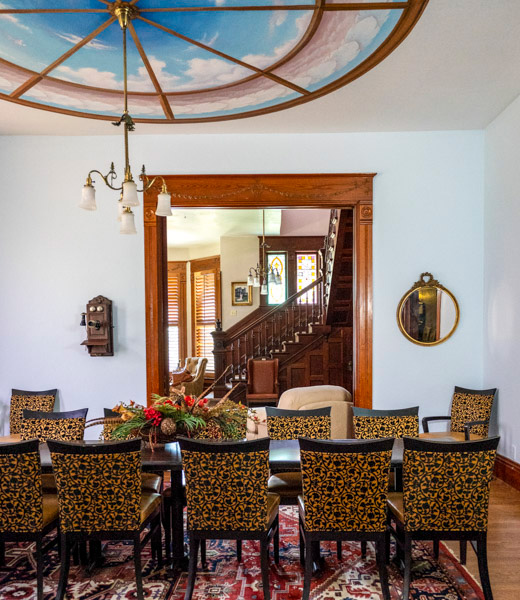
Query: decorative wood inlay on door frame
261,191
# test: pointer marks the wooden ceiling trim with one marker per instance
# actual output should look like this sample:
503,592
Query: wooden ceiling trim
164,101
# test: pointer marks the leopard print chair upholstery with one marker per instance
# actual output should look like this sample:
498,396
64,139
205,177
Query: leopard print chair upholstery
65,426
445,496
227,498
470,412
26,513
100,497
21,399
291,424
374,424
335,504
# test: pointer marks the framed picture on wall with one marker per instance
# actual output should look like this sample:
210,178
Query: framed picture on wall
241,294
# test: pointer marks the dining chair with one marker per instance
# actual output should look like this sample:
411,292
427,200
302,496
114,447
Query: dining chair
375,424
470,412
65,426
445,497
227,498
26,513
100,498
285,424
21,399
345,489
262,381
396,423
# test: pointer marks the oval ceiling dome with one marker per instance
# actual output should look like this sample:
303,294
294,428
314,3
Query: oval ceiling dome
192,60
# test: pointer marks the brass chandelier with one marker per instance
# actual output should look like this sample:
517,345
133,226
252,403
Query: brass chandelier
263,273
128,198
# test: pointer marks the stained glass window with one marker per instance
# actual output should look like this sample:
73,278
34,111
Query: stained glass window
276,294
306,273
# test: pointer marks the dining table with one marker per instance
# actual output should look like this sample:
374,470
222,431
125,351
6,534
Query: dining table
284,455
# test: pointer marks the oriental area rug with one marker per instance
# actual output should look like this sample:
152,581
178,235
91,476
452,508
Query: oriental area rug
223,578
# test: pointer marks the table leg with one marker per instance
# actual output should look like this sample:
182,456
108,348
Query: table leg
180,560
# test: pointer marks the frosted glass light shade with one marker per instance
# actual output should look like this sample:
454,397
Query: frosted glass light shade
263,289
164,205
250,280
130,194
127,223
256,282
88,198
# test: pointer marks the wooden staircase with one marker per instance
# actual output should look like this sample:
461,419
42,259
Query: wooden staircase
312,340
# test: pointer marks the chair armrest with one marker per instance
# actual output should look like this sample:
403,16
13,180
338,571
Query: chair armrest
427,419
469,425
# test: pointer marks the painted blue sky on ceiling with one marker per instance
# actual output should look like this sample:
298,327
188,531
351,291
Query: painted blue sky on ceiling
297,52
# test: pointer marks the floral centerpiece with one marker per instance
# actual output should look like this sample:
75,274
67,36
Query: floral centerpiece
179,414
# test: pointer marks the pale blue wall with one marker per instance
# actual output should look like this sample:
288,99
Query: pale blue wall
428,203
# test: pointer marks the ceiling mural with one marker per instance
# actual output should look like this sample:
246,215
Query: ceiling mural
192,60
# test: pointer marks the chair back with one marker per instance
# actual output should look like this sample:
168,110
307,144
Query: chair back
262,376
99,485
226,484
21,499
345,484
197,367
446,484
374,424
66,426
21,399
285,424
472,405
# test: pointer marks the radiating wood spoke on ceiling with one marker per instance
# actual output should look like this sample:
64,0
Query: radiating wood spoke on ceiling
411,11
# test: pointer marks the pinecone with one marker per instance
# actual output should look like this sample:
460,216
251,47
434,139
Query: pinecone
211,432
168,426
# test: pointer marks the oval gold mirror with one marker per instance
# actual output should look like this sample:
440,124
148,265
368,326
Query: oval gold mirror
428,313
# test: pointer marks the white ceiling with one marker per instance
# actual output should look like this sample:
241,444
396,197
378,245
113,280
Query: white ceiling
458,69
205,226
191,227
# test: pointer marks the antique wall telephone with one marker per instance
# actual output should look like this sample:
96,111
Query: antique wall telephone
98,324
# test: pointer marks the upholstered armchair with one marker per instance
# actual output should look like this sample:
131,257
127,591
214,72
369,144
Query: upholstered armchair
307,398
197,367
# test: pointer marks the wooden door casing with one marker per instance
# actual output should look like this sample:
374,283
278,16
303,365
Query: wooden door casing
262,191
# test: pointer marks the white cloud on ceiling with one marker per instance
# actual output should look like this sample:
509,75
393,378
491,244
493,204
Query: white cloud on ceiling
278,17
89,76
74,39
206,72
264,60
12,19
142,81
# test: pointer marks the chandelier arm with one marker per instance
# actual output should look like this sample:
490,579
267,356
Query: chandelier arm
110,174
148,183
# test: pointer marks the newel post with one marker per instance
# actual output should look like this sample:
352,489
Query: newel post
219,352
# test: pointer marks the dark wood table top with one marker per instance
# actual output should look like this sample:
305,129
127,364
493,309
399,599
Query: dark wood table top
283,454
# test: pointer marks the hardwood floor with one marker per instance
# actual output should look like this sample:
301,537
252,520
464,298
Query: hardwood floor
503,543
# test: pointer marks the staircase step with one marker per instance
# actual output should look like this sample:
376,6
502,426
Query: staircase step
321,329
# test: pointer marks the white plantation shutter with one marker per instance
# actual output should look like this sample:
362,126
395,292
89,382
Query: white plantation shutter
176,313
206,309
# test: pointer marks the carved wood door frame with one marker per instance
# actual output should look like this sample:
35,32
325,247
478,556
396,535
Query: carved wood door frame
261,191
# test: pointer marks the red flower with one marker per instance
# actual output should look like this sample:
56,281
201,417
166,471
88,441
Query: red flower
189,401
169,402
153,415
